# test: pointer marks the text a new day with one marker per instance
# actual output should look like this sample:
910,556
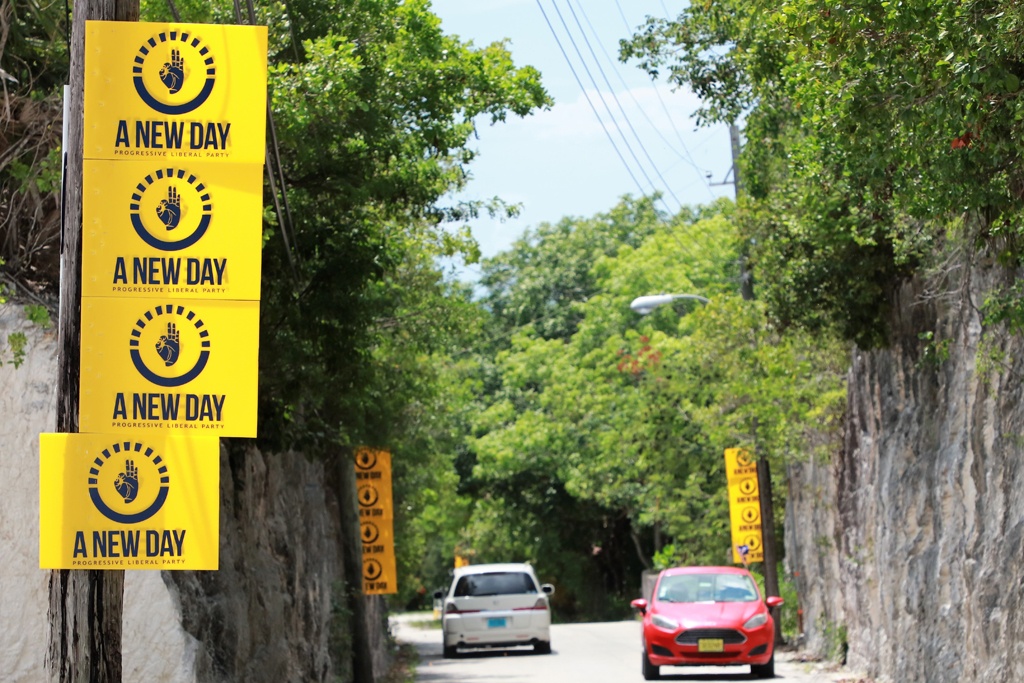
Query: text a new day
130,543
170,407
158,134
162,270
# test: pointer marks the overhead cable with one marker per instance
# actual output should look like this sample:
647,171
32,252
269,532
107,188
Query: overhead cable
685,154
625,116
643,192
604,102
664,107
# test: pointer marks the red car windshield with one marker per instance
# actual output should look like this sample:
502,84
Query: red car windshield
706,588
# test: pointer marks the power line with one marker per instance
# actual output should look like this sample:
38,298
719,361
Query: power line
703,180
625,116
657,92
600,95
685,157
607,133
587,97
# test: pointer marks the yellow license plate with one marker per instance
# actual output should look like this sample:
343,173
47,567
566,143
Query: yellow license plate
710,645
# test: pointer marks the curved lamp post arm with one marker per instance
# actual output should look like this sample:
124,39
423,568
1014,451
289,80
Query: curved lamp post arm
645,304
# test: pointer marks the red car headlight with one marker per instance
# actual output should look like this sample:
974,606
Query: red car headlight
756,620
664,622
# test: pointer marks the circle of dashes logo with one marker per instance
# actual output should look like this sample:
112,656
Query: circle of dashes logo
128,482
174,72
170,345
170,209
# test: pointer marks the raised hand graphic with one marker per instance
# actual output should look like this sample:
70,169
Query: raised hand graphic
127,482
172,73
168,345
169,210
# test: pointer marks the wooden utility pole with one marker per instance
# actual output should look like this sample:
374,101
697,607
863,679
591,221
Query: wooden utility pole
85,605
764,477
352,562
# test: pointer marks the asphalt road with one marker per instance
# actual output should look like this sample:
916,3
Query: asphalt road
581,653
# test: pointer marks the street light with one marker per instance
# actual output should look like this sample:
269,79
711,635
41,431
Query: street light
645,304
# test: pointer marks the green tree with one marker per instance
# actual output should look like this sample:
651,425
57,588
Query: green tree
881,137
617,426
374,109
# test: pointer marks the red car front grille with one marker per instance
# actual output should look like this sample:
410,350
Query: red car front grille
727,635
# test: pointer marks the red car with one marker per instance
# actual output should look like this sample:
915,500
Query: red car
707,616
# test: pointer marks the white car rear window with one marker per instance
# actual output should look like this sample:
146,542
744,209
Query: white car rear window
498,583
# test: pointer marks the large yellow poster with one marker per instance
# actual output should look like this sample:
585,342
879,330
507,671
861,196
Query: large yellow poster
158,364
376,521
138,501
178,230
184,92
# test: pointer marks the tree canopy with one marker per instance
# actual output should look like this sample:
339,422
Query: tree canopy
880,137
598,433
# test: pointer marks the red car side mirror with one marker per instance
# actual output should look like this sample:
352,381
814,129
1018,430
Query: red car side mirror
640,605
774,601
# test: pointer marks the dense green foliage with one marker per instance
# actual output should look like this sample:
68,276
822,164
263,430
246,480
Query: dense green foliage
596,441
374,109
880,136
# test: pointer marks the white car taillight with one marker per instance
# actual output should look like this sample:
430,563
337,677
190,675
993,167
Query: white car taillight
450,608
541,604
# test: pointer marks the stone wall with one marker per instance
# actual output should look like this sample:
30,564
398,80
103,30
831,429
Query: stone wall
924,504
811,558
269,614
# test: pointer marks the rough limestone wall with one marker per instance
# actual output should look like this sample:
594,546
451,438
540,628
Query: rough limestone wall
266,615
930,499
811,557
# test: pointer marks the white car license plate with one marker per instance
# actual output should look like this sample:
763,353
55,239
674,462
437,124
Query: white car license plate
496,622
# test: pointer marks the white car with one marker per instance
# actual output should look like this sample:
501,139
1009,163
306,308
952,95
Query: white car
496,605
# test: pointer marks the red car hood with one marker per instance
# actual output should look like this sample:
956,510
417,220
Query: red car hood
709,614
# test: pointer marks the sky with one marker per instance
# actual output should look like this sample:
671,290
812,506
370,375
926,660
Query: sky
560,162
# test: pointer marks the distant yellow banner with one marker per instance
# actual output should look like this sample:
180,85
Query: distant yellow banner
139,501
376,520
175,91
184,230
744,505
155,364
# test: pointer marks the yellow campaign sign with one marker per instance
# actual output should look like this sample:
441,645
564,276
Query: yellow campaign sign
138,501
175,91
739,464
178,230
156,364
376,520
373,484
745,519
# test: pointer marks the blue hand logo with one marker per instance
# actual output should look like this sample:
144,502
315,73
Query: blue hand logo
127,482
172,73
168,346
169,210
